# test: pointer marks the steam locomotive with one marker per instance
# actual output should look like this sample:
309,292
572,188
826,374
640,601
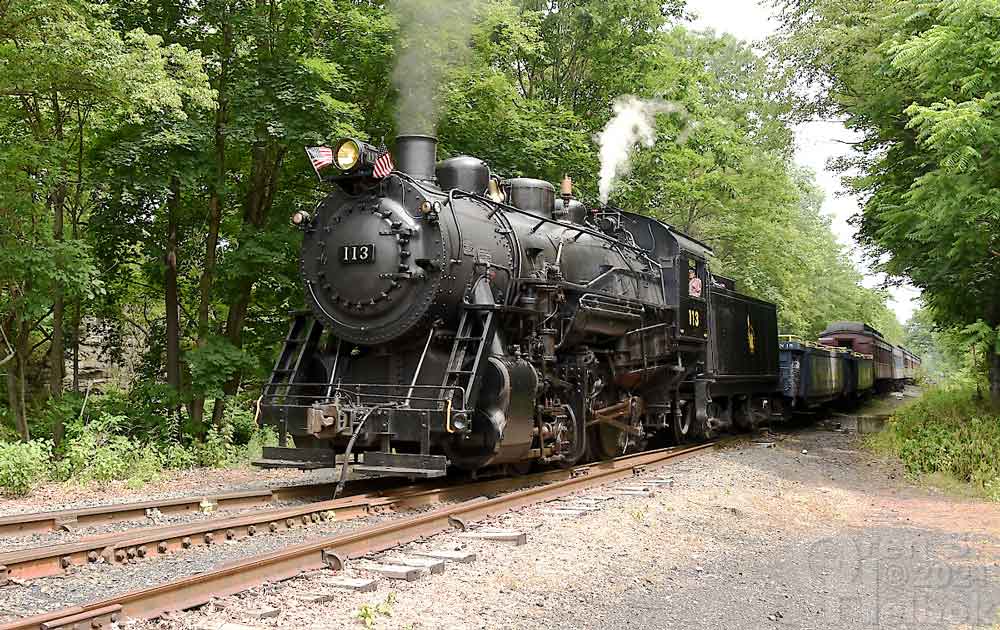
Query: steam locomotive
458,320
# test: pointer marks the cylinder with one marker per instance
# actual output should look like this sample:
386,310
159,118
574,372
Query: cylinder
416,155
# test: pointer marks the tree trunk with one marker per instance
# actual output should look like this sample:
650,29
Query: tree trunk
215,203
77,317
259,200
57,351
15,383
170,285
994,358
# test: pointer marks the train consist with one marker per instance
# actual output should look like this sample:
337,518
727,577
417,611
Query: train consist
457,320
851,360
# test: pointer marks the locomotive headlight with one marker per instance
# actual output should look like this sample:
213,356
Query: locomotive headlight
347,155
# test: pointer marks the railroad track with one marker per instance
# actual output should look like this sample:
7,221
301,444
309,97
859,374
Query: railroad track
335,551
151,542
43,522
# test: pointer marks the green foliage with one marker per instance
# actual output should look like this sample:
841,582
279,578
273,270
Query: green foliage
947,431
919,82
214,364
23,465
176,457
97,450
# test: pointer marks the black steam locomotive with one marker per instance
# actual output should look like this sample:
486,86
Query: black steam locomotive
459,320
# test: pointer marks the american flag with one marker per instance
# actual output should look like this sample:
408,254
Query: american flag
383,165
321,157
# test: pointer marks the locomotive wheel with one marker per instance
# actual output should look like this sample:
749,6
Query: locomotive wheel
683,430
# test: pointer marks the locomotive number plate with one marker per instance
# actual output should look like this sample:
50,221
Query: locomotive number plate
362,254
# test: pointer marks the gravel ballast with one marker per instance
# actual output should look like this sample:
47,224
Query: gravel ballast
812,532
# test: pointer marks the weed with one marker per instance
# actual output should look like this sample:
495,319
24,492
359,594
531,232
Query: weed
369,614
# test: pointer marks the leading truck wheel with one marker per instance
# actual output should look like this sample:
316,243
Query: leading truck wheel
577,437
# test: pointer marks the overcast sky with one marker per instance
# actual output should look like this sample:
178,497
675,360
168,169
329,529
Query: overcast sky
816,142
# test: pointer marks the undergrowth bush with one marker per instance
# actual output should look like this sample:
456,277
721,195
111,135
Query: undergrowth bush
23,465
947,431
105,444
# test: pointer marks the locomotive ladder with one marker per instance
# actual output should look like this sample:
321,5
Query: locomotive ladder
468,352
303,335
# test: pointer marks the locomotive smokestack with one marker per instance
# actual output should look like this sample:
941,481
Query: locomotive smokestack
416,155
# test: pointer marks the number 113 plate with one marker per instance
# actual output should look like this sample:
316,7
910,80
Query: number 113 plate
361,254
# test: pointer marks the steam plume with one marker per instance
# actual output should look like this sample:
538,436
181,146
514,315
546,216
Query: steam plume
435,36
634,122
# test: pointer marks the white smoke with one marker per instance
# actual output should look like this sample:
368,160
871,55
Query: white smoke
435,36
634,123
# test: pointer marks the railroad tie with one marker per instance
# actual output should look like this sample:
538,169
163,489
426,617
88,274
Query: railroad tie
577,506
497,535
317,598
431,564
634,492
395,571
463,557
565,512
667,481
361,585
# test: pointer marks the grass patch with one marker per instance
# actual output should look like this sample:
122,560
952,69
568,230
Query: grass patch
947,435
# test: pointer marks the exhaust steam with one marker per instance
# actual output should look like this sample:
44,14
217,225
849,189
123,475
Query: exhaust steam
634,123
435,36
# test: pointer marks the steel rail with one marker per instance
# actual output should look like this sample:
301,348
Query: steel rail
151,542
43,522
196,590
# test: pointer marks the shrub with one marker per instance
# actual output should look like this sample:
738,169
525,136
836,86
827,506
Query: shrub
146,467
23,465
243,422
218,450
96,451
177,457
947,431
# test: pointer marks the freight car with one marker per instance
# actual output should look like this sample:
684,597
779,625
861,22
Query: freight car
458,320
908,366
813,374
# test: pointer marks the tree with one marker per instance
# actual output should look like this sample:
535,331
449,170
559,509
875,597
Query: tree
919,82
65,72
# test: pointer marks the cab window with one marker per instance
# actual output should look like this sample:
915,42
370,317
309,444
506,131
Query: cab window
694,279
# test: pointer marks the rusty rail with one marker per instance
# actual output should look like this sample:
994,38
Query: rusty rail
232,578
151,542
42,522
